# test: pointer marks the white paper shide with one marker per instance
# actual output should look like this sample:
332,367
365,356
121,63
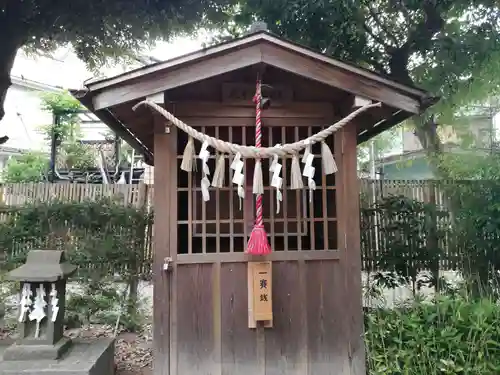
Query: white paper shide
54,302
276,180
25,302
38,312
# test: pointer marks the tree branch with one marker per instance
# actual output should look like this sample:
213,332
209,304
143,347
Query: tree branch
419,39
375,37
379,22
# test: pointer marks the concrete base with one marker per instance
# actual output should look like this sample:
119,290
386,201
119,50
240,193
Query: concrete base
17,352
84,357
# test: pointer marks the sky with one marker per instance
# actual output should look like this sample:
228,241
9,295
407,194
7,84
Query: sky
64,69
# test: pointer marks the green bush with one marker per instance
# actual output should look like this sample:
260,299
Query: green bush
409,237
101,237
448,336
104,238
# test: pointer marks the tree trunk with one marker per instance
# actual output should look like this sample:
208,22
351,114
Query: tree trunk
7,57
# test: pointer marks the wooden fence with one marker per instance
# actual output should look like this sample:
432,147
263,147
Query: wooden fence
141,196
427,191
138,195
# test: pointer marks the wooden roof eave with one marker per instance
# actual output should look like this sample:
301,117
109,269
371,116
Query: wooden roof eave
108,117
248,51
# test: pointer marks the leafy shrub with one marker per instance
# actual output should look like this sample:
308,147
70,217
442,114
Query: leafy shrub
476,230
104,238
409,239
448,336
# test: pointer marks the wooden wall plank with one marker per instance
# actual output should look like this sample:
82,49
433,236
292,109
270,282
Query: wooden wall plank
239,345
195,323
284,341
327,340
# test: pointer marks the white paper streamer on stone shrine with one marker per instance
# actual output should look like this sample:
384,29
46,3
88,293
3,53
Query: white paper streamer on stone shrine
38,312
25,302
54,302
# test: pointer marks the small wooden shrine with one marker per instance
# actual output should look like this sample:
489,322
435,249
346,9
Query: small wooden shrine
219,307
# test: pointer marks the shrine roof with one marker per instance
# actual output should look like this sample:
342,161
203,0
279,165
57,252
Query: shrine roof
112,99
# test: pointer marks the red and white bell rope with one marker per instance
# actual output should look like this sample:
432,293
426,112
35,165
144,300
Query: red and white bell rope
258,243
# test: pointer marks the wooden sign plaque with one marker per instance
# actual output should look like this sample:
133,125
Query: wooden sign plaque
260,300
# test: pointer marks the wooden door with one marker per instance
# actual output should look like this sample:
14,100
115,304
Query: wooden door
204,301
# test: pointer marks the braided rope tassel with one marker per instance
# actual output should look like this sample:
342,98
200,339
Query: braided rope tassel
258,243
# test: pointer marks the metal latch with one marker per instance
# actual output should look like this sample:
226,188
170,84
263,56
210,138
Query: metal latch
167,264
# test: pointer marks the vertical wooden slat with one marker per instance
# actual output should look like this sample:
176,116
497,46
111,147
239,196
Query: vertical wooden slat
298,196
272,195
231,197
217,206
190,211
311,211
285,194
247,207
325,209
217,317
327,335
283,341
195,336
239,346
203,218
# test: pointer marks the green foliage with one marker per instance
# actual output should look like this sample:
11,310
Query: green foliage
28,167
471,165
104,233
451,48
104,238
450,336
99,30
383,143
408,234
476,229
66,130
102,302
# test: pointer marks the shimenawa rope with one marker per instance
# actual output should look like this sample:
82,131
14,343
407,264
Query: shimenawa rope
252,151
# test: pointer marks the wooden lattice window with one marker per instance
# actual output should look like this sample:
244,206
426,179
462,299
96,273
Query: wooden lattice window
219,226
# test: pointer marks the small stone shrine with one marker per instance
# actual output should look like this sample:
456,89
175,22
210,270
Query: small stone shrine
41,346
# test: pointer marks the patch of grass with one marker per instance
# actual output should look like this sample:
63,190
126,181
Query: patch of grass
449,335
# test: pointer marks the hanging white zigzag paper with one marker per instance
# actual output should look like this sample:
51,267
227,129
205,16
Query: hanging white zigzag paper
38,312
238,178
309,170
54,302
205,183
276,180
25,302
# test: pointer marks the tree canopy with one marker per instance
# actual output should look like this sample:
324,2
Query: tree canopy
449,47
97,29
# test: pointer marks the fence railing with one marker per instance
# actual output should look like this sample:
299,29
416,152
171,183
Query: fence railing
141,196
138,195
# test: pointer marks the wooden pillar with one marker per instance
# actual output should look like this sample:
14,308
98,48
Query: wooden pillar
351,251
165,211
